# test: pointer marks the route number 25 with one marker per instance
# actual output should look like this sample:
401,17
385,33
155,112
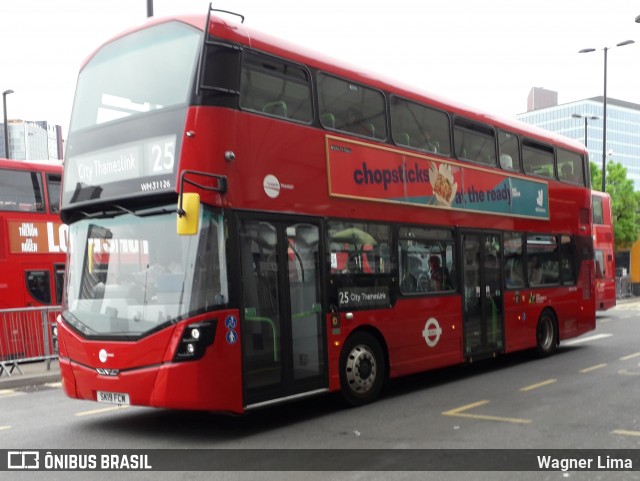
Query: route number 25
163,155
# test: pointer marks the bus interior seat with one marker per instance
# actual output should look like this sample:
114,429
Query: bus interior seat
371,129
308,234
277,107
403,139
566,171
506,161
266,236
328,120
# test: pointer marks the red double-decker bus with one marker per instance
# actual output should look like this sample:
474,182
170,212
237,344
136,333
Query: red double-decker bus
32,237
251,223
604,251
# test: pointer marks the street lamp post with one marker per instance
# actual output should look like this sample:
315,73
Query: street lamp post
6,127
586,123
604,108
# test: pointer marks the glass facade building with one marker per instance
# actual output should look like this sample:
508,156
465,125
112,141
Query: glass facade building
29,140
623,129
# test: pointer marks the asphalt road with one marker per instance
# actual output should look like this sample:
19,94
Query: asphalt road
584,397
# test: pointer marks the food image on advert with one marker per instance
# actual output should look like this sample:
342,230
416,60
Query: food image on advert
441,179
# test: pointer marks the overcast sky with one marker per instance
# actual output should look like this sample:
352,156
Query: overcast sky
487,54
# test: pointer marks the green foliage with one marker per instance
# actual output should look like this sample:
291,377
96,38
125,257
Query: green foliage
625,202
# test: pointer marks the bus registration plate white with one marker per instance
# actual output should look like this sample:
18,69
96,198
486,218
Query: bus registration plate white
113,397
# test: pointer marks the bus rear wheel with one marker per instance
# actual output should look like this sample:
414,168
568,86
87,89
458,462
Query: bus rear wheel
362,369
546,334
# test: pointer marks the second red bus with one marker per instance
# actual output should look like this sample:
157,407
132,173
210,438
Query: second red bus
604,251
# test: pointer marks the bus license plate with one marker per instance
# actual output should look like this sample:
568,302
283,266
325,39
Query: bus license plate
113,397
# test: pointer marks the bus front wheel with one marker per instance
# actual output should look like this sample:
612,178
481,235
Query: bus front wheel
362,369
546,334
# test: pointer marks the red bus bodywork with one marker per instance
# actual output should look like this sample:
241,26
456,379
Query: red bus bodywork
604,250
32,248
299,157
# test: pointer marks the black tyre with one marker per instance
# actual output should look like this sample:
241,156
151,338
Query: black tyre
362,369
546,334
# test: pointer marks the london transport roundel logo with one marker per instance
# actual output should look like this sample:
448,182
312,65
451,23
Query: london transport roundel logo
432,332
103,355
271,186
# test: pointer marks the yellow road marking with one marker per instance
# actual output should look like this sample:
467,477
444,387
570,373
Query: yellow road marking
459,412
53,384
624,432
593,368
100,411
630,356
4,428
540,384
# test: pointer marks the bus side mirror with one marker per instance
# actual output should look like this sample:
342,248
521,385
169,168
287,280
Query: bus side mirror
188,214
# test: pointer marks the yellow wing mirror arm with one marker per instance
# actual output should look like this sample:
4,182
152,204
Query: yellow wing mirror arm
189,202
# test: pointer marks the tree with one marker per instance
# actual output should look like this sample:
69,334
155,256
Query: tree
624,202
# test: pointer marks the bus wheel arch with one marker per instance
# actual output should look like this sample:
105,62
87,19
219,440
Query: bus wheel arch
547,333
364,368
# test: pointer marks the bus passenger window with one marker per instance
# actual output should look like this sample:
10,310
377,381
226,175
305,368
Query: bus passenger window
570,167
543,263
537,159
419,127
508,151
274,87
354,108
38,286
358,248
474,141
513,265
426,260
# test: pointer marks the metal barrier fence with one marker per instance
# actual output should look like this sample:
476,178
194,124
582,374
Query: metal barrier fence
624,287
27,334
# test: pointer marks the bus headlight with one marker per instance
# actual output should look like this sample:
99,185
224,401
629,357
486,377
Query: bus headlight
195,339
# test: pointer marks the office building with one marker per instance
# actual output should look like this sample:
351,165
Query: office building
623,126
33,140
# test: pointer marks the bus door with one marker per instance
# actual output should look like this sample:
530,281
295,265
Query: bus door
283,333
483,309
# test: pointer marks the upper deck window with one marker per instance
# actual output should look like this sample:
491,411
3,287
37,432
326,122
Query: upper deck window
351,107
474,141
509,153
570,167
416,126
53,187
274,87
147,70
537,158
